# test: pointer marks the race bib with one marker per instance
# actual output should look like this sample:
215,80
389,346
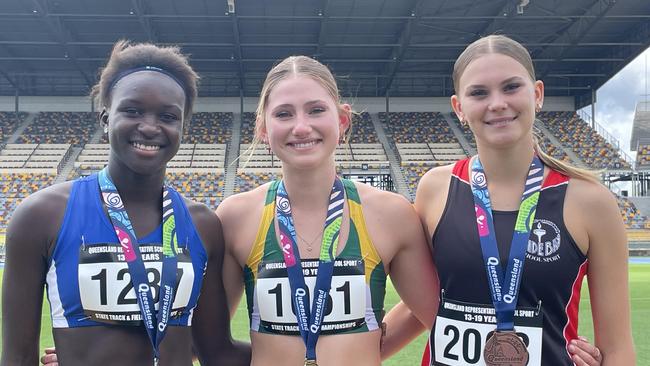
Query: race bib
105,286
461,330
346,302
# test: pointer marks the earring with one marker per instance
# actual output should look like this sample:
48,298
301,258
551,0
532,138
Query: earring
463,122
105,128
341,140
538,108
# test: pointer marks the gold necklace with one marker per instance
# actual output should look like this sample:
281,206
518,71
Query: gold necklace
309,242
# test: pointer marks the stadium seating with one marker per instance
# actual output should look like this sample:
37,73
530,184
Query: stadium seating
643,157
577,135
245,181
209,128
9,121
467,133
363,130
14,187
74,128
203,187
421,141
33,158
632,218
417,127
417,158
247,128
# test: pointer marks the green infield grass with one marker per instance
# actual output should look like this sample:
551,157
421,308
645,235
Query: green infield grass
411,355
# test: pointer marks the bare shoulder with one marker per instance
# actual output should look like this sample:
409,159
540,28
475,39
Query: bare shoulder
44,204
200,212
384,202
205,219
238,206
590,211
45,207
435,179
240,215
387,214
590,195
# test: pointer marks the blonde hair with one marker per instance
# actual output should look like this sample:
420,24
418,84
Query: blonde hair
294,66
499,44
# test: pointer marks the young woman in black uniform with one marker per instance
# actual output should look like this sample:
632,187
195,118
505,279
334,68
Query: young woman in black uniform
516,230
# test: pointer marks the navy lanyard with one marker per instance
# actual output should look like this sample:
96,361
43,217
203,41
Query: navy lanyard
504,288
154,322
310,320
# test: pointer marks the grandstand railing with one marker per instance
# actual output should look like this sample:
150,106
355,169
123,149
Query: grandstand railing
608,136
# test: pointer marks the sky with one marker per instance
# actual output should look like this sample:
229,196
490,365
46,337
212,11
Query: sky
617,99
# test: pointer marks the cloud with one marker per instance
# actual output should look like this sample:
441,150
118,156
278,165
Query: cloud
617,99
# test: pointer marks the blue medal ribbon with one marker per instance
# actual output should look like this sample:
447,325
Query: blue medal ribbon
504,287
155,322
310,320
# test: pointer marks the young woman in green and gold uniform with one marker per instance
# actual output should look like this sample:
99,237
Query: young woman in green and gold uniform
314,250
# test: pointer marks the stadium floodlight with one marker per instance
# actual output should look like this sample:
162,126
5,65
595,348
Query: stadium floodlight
521,6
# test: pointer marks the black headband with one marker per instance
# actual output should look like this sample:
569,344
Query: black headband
145,68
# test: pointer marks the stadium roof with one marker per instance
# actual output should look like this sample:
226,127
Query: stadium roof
376,47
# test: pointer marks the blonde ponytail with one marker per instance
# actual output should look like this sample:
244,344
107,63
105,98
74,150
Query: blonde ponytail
563,167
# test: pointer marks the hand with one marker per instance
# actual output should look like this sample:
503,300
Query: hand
49,358
584,353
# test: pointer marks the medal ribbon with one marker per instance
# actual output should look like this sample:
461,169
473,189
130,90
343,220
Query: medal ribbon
154,322
310,320
504,287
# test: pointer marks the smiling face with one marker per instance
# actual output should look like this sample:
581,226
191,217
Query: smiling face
302,122
145,121
497,97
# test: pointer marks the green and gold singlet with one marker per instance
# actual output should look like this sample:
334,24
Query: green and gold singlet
356,299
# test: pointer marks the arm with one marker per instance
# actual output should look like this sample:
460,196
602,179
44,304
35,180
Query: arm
24,276
402,324
600,226
211,323
229,214
411,270
402,327
240,215
608,280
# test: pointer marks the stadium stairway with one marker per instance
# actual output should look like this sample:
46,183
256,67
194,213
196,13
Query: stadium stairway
395,168
570,153
68,165
232,153
96,138
19,131
459,135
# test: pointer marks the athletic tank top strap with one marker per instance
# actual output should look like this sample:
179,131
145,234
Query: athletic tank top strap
361,246
265,230
461,169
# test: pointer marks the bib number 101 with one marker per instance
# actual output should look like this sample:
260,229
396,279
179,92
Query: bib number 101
277,291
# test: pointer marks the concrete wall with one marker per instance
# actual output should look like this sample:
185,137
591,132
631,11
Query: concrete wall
371,105
51,104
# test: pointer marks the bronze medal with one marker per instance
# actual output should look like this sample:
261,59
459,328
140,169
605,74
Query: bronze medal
505,348
310,363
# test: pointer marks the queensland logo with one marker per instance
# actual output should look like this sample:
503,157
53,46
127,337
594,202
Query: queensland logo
544,241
